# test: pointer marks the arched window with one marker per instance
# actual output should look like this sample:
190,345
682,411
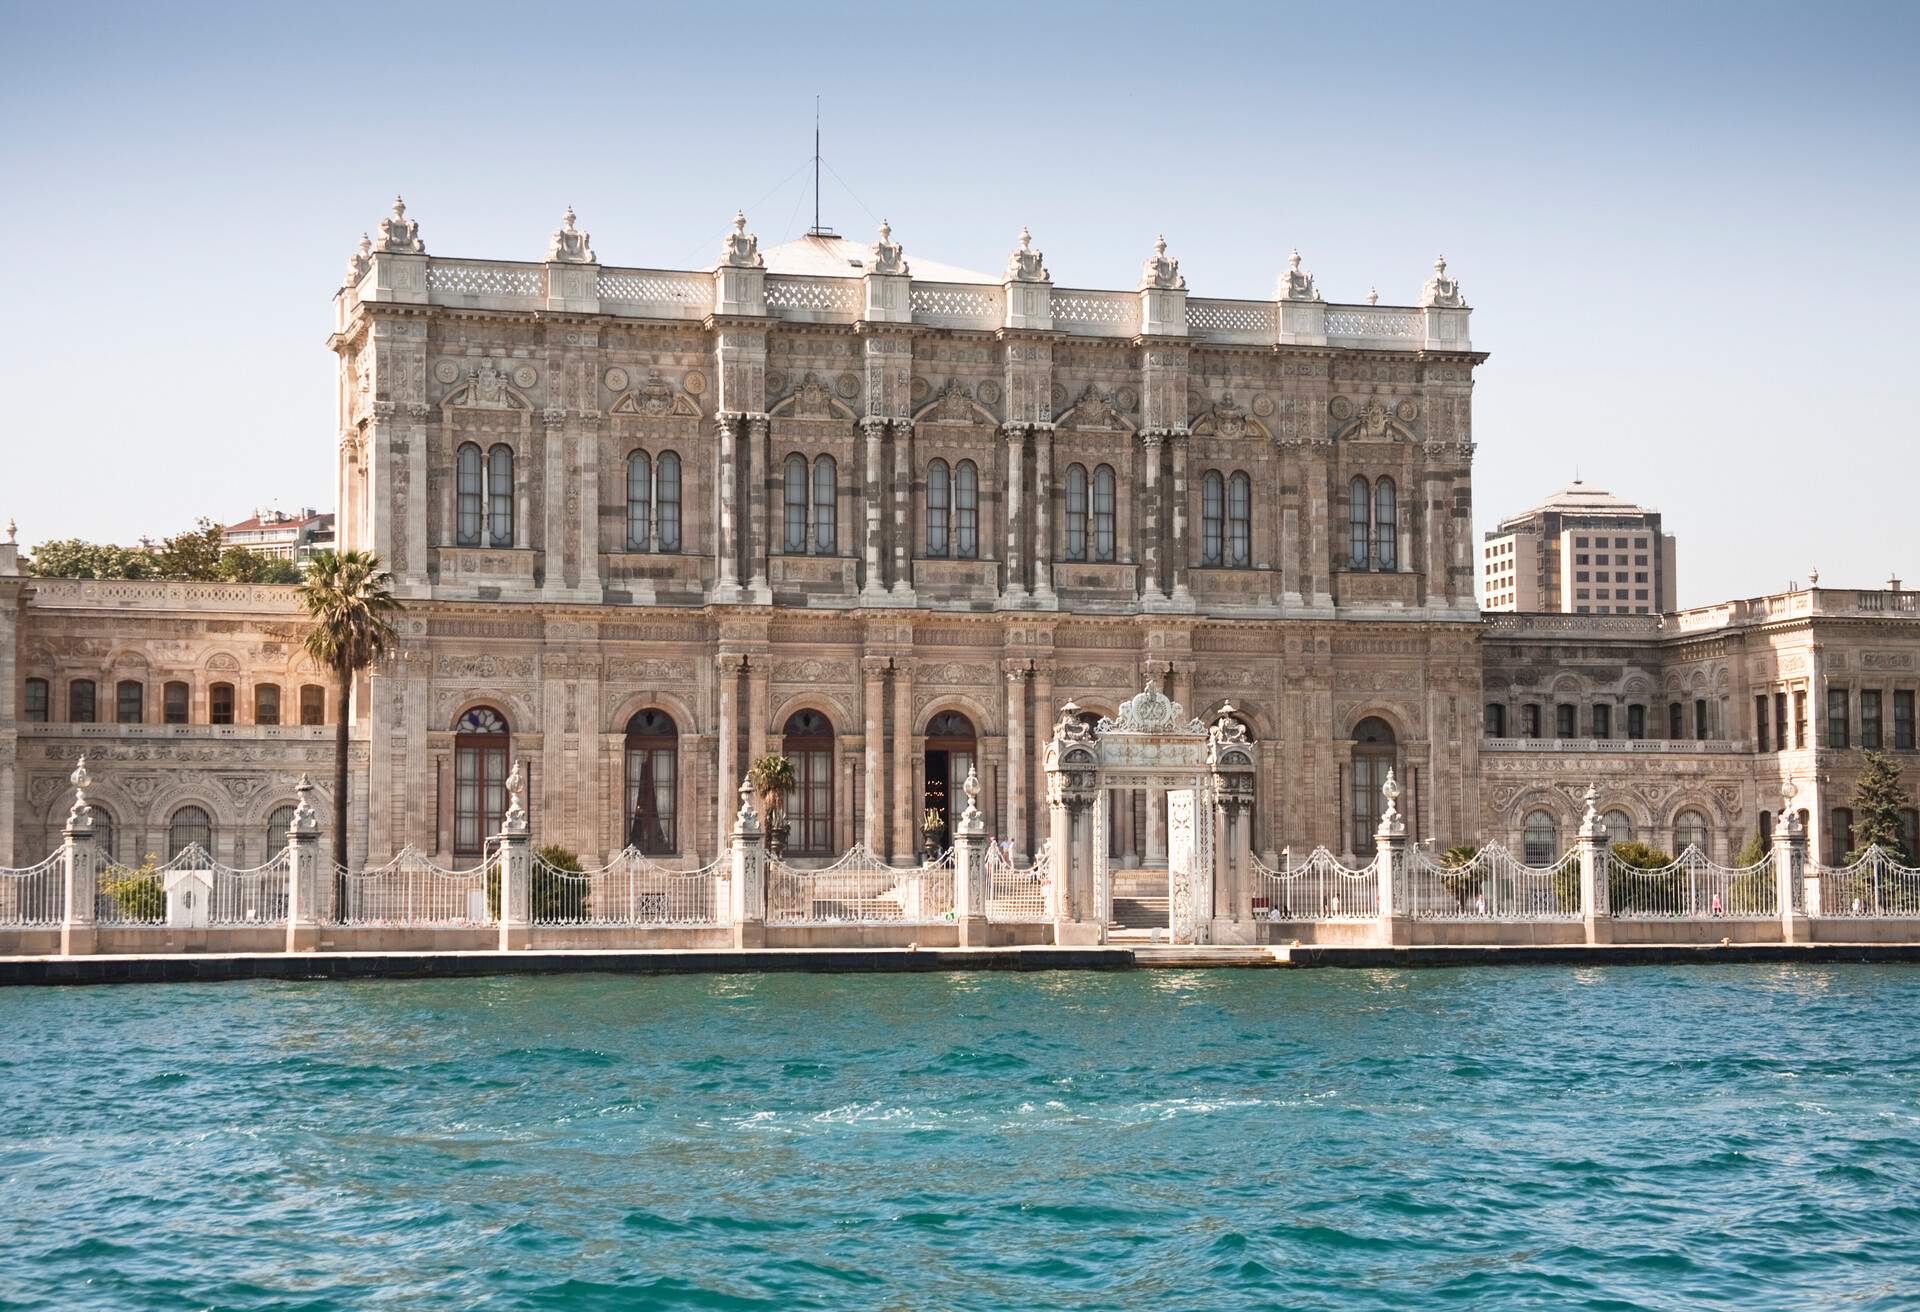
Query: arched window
313,704
966,510
1213,517
1689,830
472,501
1359,522
1076,512
175,702
939,505
189,826
500,496
794,539
807,741
103,831
1539,841
34,709
950,753
825,507
480,742
666,501
1103,513
1373,757
80,701
129,701
639,501
220,703
653,778
278,823
1240,521
1386,524
266,703
1619,827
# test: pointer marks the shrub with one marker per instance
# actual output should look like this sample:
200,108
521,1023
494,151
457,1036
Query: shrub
137,891
1643,892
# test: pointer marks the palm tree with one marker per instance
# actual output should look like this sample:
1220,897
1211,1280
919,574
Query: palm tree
348,597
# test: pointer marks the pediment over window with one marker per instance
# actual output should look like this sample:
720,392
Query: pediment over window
1227,418
954,404
656,398
812,399
1096,410
486,388
1374,420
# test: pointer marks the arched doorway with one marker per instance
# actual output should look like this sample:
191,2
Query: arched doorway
480,743
1373,756
807,741
653,779
951,752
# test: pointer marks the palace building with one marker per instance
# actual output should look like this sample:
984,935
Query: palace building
887,517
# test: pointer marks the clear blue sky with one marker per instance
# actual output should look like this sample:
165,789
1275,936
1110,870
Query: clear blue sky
1688,230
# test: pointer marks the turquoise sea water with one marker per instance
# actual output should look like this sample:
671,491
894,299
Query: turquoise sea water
1730,1137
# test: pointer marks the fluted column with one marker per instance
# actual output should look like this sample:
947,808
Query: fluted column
900,845
1150,512
1042,732
873,670
756,430
726,740
1013,826
1317,579
1016,588
727,587
903,509
1043,510
757,670
872,481
1178,441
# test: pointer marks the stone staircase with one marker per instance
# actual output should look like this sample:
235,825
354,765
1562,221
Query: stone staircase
1139,903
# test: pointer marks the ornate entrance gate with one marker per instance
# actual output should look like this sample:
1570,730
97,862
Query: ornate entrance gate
1206,775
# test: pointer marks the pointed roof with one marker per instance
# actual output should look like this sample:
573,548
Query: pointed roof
837,257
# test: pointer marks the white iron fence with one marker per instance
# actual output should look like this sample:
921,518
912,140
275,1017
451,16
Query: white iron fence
192,891
629,890
1692,887
34,897
1492,885
860,888
412,890
1019,895
1875,886
1319,888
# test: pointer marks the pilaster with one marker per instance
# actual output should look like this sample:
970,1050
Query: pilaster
1043,593
1014,588
756,429
873,672
1013,827
906,807
903,536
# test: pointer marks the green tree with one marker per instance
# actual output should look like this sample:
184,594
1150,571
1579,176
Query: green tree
193,555
72,558
1878,800
1643,892
350,600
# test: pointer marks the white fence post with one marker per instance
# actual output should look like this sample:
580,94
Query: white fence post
1390,864
308,890
747,894
1594,892
1789,865
516,869
80,875
970,868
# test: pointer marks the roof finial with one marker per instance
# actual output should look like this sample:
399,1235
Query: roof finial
13,530
1373,296
1294,284
1026,264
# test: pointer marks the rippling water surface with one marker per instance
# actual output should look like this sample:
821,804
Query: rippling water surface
1720,1137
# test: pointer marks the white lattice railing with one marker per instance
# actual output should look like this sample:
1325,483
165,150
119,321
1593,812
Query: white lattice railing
34,896
132,896
1019,895
1366,322
1692,887
824,298
1251,319
1100,314
486,278
256,896
958,305
1875,886
412,890
629,890
630,290
1492,885
1319,888
859,888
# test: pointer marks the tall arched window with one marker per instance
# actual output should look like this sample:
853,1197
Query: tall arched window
1103,513
266,703
1619,827
103,831
80,701
1373,757
1689,830
1386,523
130,701
1076,512
1240,521
939,506
500,496
220,703
1213,517
653,778
480,741
175,702
666,501
794,482
807,741
1359,522
825,507
950,753
639,501
278,823
471,499
313,704
34,709
189,826
966,510
1539,841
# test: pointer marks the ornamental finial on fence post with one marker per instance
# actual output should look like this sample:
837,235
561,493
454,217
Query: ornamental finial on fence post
81,816
305,821
744,820
515,821
1390,821
1591,826
971,821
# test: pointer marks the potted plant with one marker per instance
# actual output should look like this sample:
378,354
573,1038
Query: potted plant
930,826
772,778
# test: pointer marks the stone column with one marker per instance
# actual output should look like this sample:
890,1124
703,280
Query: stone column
873,670
747,888
309,889
1043,512
727,736
1316,578
1789,869
757,708
873,588
1043,718
1390,864
1016,589
902,844
516,869
1013,826
970,868
1178,441
79,872
727,586
903,510
756,429
1595,909
1150,589
1156,826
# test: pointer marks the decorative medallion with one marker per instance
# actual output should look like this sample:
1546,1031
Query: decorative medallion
776,383
1059,396
1262,405
694,383
446,371
617,380
1408,410
988,392
1340,408
524,376
1127,399
847,385
922,389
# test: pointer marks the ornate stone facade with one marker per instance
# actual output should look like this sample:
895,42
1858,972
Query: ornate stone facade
888,515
